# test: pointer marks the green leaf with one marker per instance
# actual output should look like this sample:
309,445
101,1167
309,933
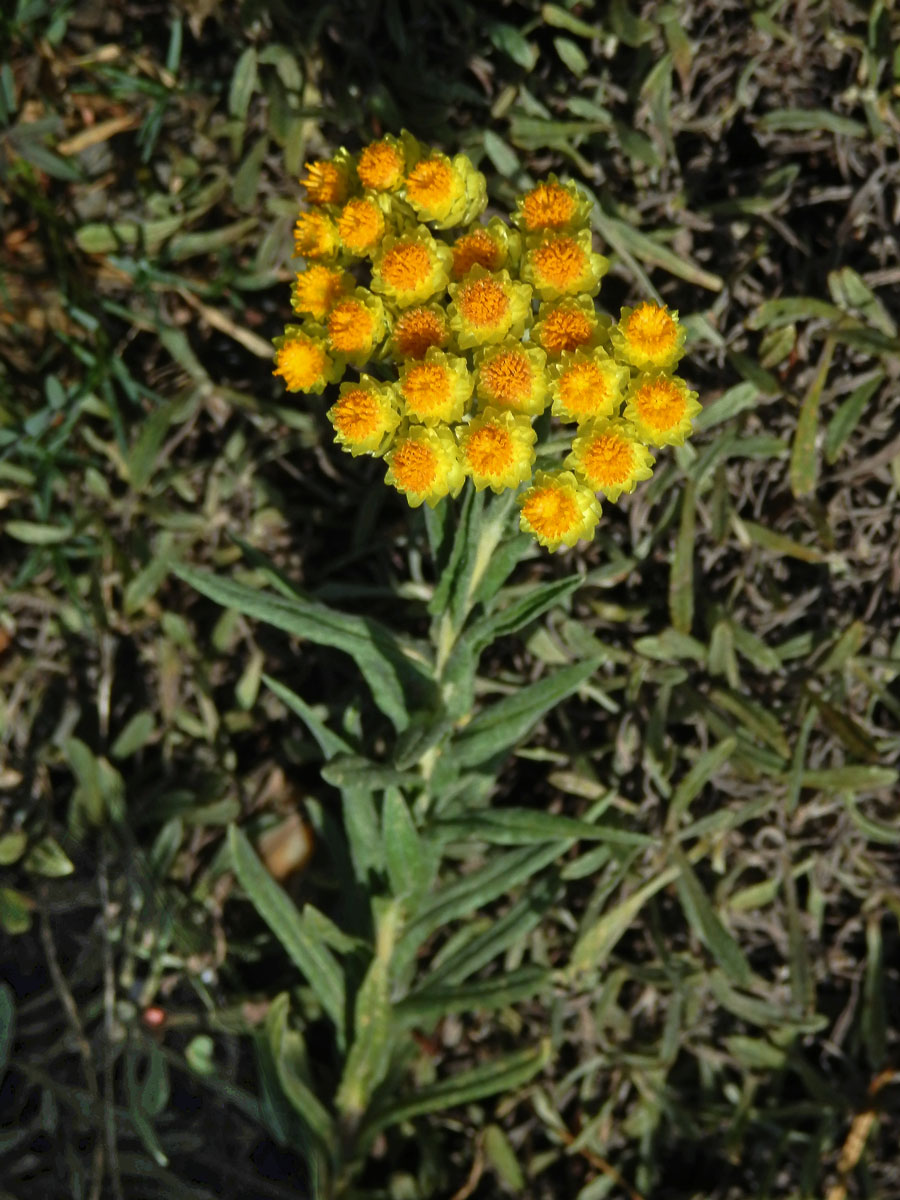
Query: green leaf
243,83
501,991
353,772
850,290
380,658
501,726
501,154
498,876
12,847
512,42
572,55
142,458
804,459
501,1075
622,237
736,400
813,120
703,770
15,911
597,942
848,414
681,577
33,533
411,864
289,1057
707,926
48,858
135,735
504,1160
7,1025
560,18
850,778
370,1053
519,826
278,911
330,743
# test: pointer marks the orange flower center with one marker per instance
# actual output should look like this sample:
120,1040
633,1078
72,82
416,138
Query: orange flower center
414,466
357,415
317,289
476,249
360,225
551,512
583,388
350,327
608,459
300,363
560,262
483,303
565,329
651,330
660,404
406,266
325,183
311,235
426,387
548,206
380,167
429,183
508,377
416,330
489,450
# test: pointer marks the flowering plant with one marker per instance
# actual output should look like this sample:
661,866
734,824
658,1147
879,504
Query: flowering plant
464,333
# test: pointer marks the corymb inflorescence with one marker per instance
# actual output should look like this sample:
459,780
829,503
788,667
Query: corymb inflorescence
463,343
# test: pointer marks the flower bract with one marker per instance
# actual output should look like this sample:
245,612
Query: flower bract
567,324
487,246
487,307
497,449
424,465
586,384
417,329
361,225
563,264
608,457
364,416
411,268
328,181
649,336
382,164
355,325
552,205
661,408
447,192
558,510
435,389
511,375
315,235
303,362
318,288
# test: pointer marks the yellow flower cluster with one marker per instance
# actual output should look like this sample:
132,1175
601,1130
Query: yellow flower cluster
470,330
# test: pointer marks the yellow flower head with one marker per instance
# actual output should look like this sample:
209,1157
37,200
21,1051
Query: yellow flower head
490,246
511,375
488,307
558,510
411,268
661,408
356,325
563,264
568,324
435,389
497,449
608,457
417,329
586,384
382,164
329,182
649,336
553,206
424,464
361,225
448,192
318,288
365,416
302,361
315,235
